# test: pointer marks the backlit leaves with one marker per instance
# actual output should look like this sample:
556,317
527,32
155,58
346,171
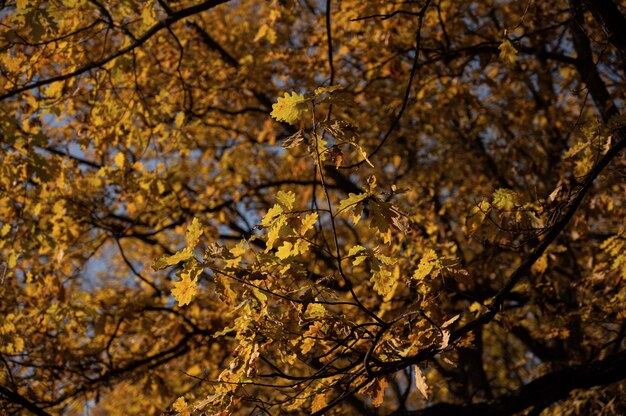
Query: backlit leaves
167,260
181,407
351,201
286,250
290,108
308,222
615,247
357,236
186,288
505,199
429,263
194,231
286,199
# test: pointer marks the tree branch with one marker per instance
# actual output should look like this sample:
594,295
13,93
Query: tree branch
168,21
587,68
542,391
17,398
612,21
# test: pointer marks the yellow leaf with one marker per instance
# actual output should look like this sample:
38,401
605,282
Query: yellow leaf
301,246
335,94
355,250
508,53
475,307
12,260
308,222
285,250
383,282
272,213
194,231
239,249
319,401
290,108
148,14
237,253
181,407
310,337
54,90
322,149
286,199
428,263
505,199
265,32
315,310
186,288
477,215
179,120
353,253
120,159
274,233
167,260
307,345
352,199
329,89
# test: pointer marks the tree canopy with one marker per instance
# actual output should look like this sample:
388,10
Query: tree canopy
312,207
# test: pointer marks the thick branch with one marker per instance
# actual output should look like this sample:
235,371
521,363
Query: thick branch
612,21
17,398
607,109
524,269
587,68
540,392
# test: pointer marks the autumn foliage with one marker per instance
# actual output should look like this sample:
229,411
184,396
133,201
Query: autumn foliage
310,207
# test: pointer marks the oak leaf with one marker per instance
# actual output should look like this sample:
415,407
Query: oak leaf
290,107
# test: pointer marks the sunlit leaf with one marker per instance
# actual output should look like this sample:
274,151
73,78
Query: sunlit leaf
290,108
